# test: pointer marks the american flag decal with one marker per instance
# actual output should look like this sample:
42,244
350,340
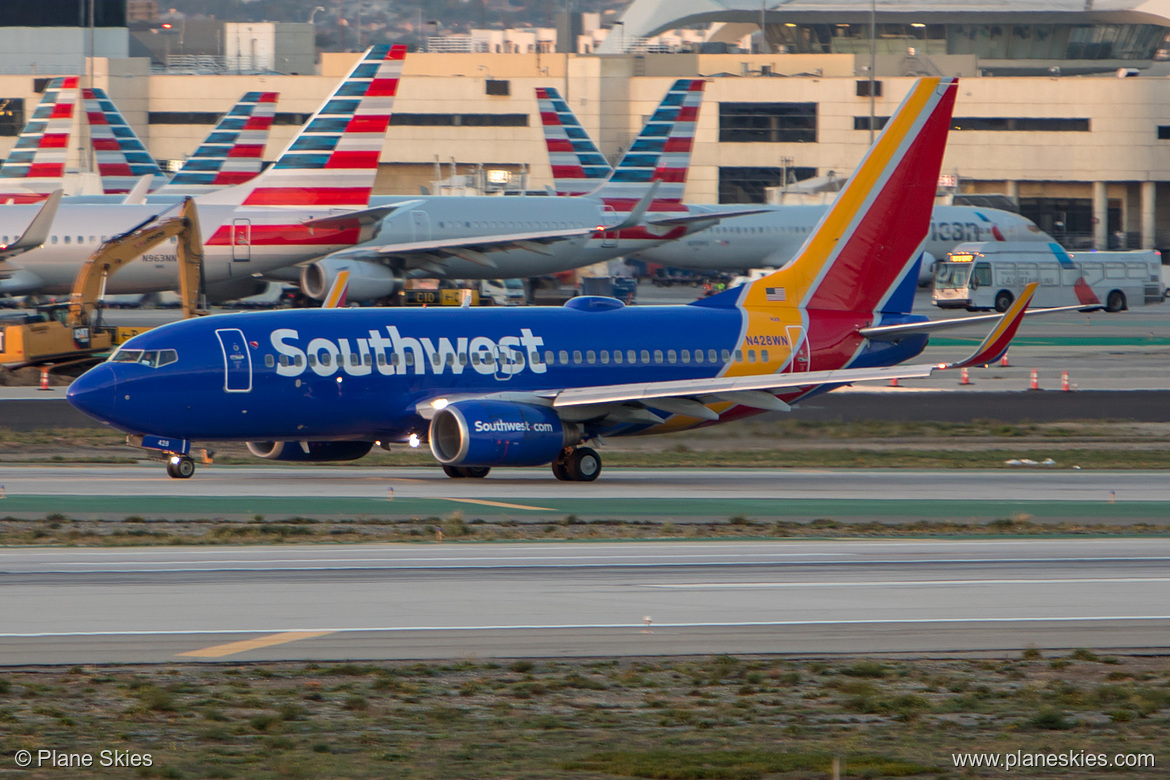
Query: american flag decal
775,294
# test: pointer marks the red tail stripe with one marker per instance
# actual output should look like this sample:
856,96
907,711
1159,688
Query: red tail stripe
549,119
382,88
233,177
54,141
105,144
44,170
247,150
69,82
62,111
267,97
560,145
352,160
541,93
678,144
368,124
114,169
671,175
688,114
258,123
697,85
96,118
568,172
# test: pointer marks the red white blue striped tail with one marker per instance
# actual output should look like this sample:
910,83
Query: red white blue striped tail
578,167
36,165
661,152
121,158
233,153
334,159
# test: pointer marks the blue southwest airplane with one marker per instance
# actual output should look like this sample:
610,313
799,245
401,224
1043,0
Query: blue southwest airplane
533,386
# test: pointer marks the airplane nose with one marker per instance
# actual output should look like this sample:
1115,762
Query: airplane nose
95,392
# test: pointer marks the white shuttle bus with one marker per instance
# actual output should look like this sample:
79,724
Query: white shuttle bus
991,275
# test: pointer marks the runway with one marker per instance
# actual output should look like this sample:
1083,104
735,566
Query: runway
73,606
532,495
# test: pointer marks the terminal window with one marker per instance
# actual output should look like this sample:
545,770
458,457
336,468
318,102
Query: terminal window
1021,124
749,185
862,122
768,123
11,116
1164,132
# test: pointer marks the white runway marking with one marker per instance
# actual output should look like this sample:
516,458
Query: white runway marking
894,583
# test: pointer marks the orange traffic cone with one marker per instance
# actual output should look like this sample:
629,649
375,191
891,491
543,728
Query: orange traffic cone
45,379
1035,383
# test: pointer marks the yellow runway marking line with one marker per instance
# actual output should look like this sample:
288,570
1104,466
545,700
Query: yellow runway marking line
501,504
231,648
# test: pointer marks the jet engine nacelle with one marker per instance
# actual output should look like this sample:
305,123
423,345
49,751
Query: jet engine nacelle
499,433
367,280
310,451
926,269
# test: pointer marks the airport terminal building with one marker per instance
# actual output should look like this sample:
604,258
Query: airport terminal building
1042,116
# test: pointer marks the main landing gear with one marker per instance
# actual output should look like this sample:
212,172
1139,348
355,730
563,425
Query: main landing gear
577,464
180,467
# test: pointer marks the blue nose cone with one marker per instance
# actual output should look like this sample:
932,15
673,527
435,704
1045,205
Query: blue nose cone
95,392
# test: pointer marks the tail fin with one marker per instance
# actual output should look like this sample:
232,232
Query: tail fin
578,167
334,158
661,152
233,153
36,165
860,252
121,157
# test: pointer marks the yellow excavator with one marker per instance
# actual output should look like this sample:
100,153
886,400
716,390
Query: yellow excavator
73,332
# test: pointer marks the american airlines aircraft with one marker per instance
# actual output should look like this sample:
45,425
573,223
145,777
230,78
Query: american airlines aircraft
536,386
771,236
312,201
639,205
36,165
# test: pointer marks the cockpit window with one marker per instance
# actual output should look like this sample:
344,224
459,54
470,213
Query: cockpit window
155,358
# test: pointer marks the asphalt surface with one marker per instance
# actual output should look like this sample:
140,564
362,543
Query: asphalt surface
72,606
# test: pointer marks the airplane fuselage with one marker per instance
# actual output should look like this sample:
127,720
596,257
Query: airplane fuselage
360,374
772,238
239,242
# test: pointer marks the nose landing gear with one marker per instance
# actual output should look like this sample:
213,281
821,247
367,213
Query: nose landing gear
577,464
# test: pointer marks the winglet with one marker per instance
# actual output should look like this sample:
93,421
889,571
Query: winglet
137,194
635,216
335,298
1001,335
37,231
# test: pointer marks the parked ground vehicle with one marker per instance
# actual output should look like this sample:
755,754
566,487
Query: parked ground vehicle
990,275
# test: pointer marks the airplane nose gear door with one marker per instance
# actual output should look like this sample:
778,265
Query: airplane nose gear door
237,361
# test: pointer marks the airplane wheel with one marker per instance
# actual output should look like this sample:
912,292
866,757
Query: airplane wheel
455,472
184,469
584,465
476,472
561,471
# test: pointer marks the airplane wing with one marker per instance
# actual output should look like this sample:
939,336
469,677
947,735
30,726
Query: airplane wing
634,402
37,231
364,217
712,217
472,248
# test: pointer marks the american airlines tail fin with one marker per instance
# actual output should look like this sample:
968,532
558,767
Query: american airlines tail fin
578,167
121,157
334,158
233,153
661,152
860,254
36,165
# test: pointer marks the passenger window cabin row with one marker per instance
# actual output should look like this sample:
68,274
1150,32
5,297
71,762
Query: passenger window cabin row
562,358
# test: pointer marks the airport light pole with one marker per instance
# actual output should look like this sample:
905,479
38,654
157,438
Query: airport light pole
872,66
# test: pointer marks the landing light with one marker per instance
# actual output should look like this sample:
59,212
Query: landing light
338,380
175,460
439,403
413,441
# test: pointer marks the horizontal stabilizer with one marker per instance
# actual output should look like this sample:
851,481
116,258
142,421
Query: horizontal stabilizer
712,217
1001,336
895,332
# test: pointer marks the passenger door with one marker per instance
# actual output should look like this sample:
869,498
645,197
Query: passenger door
237,361
241,240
